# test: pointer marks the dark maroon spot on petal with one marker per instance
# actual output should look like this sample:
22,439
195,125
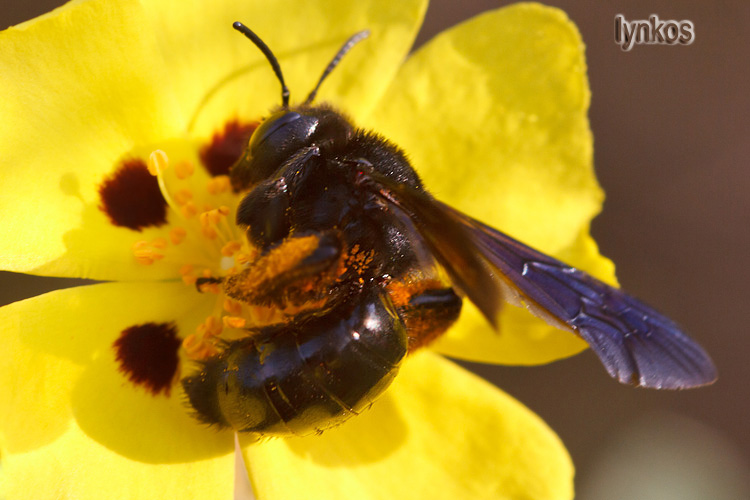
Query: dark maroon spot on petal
131,197
147,354
226,147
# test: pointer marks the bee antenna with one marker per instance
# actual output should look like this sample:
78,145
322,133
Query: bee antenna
269,55
353,40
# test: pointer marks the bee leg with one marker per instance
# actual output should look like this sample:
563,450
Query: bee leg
300,269
428,314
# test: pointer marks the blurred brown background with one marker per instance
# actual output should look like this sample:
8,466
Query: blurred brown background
671,128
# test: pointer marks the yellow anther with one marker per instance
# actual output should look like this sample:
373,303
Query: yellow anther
189,210
147,256
177,235
219,184
191,344
146,261
189,279
213,216
140,244
223,210
157,162
159,243
231,248
184,169
210,288
197,349
211,327
206,273
208,222
242,258
186,269
232,307
183,196
234,322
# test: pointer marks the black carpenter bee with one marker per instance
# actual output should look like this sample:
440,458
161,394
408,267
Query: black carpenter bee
347,233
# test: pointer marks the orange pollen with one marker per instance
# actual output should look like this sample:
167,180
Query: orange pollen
214,252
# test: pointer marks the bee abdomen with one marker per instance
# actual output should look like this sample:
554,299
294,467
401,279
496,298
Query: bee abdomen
306,376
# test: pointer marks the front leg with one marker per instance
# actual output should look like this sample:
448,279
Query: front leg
301,272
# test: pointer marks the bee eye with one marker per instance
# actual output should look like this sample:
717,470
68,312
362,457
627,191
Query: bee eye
276,140
269,129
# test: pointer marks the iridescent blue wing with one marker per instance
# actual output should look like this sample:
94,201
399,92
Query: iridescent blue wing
636,344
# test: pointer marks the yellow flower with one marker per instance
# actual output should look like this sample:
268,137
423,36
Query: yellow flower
493,116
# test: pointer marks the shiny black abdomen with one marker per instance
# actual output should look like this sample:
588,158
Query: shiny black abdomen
305,376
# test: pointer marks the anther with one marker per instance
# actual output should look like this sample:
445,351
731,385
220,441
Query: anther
159,243
157,162
183,196
145,253
219,184
147,256
189,210
231,248
211,327
232,307
177,235
209,287
184,169
234,322
197,349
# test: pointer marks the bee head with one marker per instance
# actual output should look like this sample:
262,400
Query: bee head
287,131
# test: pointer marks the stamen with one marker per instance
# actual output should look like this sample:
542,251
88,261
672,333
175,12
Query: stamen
231,248
184,169
219,184
243,258
210,219
159,243
189,210
157,162
188,277
183,196
232,307
197,349
145,252
177,235
234,322
213,288
211,327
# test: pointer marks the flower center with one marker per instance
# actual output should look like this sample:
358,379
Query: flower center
215,258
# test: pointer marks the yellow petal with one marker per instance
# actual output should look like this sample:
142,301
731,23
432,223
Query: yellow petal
74,466
219,74
60,373
493,116
439,432
81,87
